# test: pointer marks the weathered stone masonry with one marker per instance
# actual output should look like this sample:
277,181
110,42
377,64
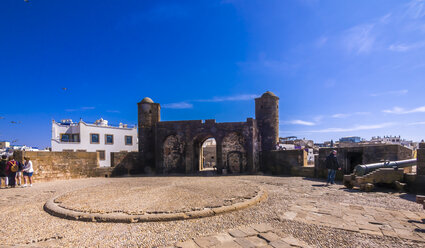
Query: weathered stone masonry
174,146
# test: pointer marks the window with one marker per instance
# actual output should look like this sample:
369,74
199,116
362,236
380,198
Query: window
101,154
68,150
129,140
66,137
109,139
81,150
75,137
94,138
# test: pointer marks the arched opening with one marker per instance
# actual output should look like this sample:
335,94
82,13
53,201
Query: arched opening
208,155
233,152
173,150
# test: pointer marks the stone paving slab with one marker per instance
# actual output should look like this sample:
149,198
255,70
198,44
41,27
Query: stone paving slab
368,220
257,235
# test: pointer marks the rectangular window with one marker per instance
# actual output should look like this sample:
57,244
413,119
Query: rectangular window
109,139
68,150
75,137
65,137
81,150
101,154
94,138
129,140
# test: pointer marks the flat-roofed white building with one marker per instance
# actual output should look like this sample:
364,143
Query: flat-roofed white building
98,137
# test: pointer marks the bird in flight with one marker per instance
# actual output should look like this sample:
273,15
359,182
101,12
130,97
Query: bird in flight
64,88
1,117
27,1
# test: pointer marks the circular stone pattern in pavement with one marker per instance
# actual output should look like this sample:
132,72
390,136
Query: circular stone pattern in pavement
146,199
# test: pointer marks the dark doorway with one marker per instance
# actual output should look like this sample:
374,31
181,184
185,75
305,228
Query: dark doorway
354,159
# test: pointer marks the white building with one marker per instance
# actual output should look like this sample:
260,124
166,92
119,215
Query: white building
98,137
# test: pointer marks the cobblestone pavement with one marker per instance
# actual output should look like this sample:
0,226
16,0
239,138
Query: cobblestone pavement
158,195
297,209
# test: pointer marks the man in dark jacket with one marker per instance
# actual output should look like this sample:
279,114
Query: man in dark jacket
332,166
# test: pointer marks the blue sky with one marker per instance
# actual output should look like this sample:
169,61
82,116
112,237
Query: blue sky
339,67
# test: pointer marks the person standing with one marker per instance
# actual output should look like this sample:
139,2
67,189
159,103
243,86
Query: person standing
13,168
3,167
332,165
28,171
19,173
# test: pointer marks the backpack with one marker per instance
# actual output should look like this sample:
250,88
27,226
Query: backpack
14,167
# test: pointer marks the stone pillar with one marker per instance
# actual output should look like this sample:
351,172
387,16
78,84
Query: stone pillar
420,169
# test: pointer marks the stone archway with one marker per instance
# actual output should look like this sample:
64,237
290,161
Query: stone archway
198,152
234,153
173,152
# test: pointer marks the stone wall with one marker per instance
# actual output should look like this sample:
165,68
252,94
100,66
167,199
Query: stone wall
281,162
349,157
50,166
125,163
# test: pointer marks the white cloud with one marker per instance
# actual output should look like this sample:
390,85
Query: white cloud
348,115
321,41
230,98
416,9
178,105
359,39
299,122
82,108
87,108
403,47
386,18
340,115
400,111
318,118
394,92
352,129
416,123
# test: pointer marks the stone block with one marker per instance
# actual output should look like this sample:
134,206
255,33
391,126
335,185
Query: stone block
279,244
258,242
269,236
262,228
244,242
228,244
237,233
249,231
186,244
206,242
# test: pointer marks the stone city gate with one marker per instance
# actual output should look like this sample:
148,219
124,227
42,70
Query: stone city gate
175,146
180,146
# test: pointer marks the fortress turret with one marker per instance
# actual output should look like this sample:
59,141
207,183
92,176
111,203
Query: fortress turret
267,116
149,113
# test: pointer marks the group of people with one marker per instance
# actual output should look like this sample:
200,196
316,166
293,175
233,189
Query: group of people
12,171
